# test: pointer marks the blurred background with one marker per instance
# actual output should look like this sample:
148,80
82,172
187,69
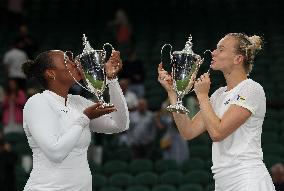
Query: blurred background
151,156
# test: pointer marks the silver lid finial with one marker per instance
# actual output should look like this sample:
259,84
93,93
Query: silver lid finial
87,46
188,45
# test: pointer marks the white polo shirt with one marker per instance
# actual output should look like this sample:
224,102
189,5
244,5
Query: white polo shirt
244,145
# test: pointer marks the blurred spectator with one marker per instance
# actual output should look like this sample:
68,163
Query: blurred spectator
133,69
15,12
141,131
32,91
130,97
132,103
13,105
7,166
13,60
192,105
25,41
173,145
122,30
1,94
277,173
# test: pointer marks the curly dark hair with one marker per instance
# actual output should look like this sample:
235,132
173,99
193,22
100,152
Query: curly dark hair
34,69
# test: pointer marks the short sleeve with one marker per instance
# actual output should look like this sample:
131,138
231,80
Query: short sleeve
250,96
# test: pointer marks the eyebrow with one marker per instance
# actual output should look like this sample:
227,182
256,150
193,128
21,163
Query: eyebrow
220,46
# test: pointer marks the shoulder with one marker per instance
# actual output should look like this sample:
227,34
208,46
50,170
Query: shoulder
253,87
35,100
77,97
80,99
7,55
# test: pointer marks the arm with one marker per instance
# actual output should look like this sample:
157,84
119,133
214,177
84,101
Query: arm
114,122
188,128
43,123
233,118
219,129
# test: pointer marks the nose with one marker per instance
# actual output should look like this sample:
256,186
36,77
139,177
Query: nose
213,53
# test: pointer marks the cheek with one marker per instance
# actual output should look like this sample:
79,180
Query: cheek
76,73
223,59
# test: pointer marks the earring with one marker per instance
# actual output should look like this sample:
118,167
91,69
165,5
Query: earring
53,77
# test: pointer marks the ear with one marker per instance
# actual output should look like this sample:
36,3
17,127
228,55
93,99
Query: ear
239,59
50,74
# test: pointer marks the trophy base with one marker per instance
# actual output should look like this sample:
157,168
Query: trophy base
178,108
107,104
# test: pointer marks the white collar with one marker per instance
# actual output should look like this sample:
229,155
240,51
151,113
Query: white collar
57,97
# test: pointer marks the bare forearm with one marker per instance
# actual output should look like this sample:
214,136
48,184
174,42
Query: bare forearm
211,120
183,123
172,97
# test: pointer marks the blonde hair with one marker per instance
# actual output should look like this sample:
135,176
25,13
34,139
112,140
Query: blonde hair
248,46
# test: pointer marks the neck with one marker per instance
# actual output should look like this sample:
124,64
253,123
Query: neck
233,78
60,90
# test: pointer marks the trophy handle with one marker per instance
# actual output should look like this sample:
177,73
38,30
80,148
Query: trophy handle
201,60
209,70
107,44
171,57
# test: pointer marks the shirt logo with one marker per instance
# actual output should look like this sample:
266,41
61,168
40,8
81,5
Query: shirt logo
65,111
227,102
237,98
241,98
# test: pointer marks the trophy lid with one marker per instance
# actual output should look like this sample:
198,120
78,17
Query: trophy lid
187,48
87,47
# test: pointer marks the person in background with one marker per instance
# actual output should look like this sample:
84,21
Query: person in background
26,42
122,31
277,173
13,60
130,97
141,133
172,144
134,71
13,105
7,166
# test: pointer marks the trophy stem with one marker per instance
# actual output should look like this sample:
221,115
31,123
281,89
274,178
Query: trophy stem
104,104
178,107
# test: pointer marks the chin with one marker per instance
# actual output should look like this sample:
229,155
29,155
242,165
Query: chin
213,67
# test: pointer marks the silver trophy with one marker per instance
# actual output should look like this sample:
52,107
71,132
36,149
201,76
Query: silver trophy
185,65
92,66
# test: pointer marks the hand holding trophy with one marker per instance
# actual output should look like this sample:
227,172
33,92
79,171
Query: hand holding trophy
113,65
185,65
95,69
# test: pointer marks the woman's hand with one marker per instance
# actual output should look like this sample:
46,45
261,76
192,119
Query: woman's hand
202,86
98,110
165,79
113,65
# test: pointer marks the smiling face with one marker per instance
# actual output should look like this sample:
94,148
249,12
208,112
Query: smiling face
224,57
63,65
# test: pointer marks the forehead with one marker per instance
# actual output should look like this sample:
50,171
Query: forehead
57,56
227,42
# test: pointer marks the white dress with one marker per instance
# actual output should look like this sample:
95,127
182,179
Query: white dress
237,160
59,137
